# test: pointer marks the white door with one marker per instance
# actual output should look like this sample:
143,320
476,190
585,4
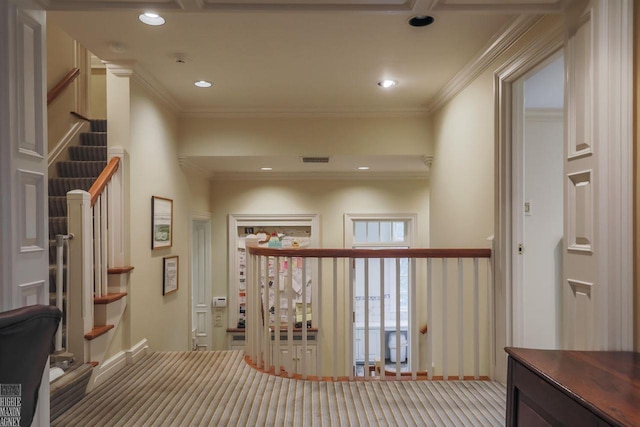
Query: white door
201,283
24,230
597,293
538,115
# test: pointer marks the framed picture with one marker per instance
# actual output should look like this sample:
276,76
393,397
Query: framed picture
161,222
170,274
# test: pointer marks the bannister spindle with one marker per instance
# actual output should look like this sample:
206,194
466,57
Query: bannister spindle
349,343
430,364
366,317
318,318
398,336
413,343
261,293
291,310
476,321
104,252
445,303
335,319
382,327
276,292
97,258
460,320
304,319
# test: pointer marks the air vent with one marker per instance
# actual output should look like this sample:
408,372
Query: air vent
315,160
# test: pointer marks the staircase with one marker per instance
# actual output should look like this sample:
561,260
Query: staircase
86,162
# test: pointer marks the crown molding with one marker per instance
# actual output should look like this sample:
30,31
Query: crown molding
494,48
120,68
188,165
320,176
301,113
492,6
156,89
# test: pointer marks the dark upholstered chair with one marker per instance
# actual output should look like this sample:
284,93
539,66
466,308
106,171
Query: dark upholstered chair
26,337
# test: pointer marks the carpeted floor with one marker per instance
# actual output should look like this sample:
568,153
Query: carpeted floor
218,388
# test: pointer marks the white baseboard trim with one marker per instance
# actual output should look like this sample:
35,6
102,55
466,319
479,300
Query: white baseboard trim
119,360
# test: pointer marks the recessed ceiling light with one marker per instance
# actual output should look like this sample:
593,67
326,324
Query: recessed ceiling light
203,83
151,18
421,20
363,168
266,169
387,83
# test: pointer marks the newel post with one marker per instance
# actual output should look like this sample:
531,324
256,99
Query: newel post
80,271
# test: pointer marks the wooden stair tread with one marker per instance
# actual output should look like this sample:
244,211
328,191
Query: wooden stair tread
97,331
109,298
120,270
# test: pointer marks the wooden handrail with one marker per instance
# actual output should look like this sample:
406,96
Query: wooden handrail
101,183
62,85
371,253
79,116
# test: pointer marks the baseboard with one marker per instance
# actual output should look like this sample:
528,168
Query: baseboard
119,360
137,352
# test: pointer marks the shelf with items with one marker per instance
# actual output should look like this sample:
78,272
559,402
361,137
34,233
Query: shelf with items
291,231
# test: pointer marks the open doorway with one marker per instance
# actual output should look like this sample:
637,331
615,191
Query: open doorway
537,210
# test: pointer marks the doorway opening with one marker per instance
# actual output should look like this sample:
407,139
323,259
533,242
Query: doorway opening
538,200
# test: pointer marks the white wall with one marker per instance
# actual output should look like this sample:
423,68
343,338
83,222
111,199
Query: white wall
304,136
330,199
462,171
155,171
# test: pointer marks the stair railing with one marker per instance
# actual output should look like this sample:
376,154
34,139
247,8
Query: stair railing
95,220
443,333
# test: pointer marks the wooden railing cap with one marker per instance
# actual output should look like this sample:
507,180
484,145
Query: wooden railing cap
371,253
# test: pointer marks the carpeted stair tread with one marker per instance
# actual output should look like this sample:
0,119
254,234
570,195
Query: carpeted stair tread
93,139
57,225
88,153
61,186
57,205
80,169
98,125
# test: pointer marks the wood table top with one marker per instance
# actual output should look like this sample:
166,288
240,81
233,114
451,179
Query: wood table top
606,382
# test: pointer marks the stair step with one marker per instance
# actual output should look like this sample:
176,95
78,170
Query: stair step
61,186
109,298
94,139
57,205
88,153
97,331
98,125
80,169
120,270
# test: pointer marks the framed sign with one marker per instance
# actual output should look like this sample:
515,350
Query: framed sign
170,274
161,222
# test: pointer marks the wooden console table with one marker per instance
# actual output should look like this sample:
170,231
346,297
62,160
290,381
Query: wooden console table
573,388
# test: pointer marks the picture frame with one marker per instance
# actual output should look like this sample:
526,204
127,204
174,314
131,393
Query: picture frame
161,222
170,270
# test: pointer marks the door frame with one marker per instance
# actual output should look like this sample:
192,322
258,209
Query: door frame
505,247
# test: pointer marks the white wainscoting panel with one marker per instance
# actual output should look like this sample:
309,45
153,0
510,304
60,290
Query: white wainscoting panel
580,218
31,210
33,293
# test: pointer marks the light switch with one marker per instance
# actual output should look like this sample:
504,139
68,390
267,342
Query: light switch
219,302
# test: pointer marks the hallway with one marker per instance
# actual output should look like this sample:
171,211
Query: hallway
218,388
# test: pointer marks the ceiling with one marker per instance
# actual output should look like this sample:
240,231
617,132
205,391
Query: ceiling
267,57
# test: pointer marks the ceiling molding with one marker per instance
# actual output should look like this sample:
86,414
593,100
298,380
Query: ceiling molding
496,46
493,6
188,165
238,5
120,68
319,176
301,113
155,88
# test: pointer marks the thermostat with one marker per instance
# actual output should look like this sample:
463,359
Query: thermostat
219,302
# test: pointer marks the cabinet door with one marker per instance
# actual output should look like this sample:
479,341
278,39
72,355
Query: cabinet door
311,359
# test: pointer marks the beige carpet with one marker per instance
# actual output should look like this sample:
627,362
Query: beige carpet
218,388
